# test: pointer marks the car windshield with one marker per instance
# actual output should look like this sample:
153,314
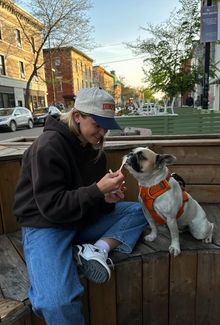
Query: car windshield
6,112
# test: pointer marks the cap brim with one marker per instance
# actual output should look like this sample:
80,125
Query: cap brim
105,122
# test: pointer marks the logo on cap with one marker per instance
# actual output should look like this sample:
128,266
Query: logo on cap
108,106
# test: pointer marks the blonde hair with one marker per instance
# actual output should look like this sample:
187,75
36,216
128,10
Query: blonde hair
68,119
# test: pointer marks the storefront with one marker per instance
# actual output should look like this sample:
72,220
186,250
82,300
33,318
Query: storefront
7,97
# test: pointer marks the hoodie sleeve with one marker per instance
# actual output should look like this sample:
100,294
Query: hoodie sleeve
56,202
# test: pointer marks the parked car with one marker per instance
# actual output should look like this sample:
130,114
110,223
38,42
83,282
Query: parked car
40,115
15,117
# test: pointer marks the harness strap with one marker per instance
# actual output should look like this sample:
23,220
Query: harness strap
149,194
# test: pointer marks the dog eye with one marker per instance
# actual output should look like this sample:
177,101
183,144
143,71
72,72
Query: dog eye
141,156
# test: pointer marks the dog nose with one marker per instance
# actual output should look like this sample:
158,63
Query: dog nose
129,158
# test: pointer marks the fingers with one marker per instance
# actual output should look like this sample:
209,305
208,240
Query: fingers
114,197
112,181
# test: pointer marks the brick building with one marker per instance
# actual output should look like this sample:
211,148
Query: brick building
67,71
17,57
103,78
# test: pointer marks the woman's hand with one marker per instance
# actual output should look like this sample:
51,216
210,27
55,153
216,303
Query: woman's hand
114,197
111,182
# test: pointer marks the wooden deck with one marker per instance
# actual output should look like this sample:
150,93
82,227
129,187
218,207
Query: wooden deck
147,287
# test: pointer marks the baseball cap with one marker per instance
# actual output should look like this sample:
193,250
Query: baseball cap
99,104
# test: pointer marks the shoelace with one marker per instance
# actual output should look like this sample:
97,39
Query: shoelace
110,263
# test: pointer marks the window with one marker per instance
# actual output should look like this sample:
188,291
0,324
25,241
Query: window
22,73
0,31
18,37
57,61
2,65
41,101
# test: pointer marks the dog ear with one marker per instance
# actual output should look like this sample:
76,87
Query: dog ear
165,159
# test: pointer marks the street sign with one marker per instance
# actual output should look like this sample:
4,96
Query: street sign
209,24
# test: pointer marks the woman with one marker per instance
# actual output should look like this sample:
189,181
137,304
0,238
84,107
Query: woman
65,197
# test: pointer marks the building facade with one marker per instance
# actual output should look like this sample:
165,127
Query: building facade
103,79
67,71
19,36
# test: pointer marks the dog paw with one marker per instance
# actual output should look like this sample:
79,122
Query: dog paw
150,237
208,239
174,250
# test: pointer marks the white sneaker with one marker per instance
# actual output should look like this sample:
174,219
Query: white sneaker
92,262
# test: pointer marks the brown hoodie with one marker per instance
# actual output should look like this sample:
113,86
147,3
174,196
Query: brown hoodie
57,185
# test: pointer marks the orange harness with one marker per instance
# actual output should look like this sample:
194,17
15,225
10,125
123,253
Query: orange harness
149,194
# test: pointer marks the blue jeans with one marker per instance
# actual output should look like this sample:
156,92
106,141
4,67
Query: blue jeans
55,287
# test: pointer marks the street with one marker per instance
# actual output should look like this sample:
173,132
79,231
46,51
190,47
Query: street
36,131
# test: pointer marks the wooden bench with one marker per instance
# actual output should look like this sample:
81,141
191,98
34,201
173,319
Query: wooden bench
148,286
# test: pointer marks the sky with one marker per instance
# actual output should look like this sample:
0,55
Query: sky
118,21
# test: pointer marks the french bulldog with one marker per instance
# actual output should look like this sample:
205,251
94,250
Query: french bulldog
164,200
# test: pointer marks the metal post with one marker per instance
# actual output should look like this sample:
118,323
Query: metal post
53,85
205,98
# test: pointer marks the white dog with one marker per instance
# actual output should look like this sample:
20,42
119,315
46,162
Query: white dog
163,199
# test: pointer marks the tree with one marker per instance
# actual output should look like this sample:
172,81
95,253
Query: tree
170,49
148,95
64,23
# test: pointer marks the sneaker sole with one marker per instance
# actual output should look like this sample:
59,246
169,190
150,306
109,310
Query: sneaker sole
94,271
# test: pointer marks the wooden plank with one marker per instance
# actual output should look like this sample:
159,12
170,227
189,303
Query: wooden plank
194,154
36,320
9,172
183,271
9,153
129,292
102,302
11,310
188,242
13,274
85,301
199,174
161,243
16,240
205,193
1,221
142,248
213,214
208,288
139,250
110,137
155,288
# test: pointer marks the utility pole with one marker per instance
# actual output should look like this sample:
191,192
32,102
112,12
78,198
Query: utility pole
205,98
